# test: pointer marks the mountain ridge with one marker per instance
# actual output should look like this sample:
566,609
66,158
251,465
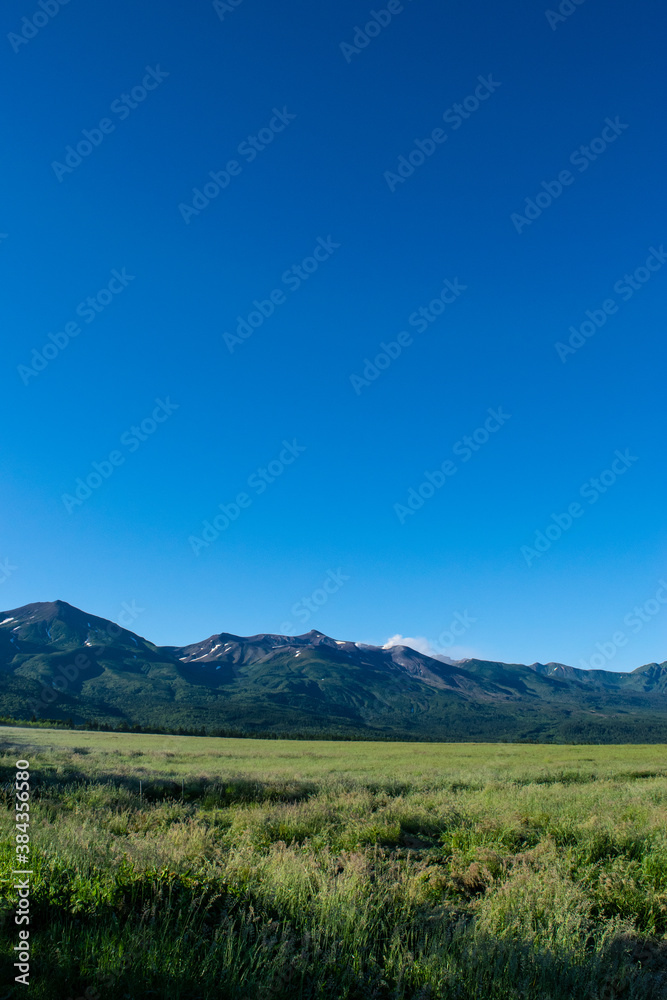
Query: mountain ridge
58,661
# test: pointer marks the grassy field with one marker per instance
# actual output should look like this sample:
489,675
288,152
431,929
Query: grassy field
200,868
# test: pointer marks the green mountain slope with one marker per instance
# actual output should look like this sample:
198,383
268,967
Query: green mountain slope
59,662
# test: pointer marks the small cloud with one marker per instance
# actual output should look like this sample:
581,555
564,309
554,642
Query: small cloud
419,643
422,645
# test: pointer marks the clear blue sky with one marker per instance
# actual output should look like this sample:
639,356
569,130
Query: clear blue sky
315,126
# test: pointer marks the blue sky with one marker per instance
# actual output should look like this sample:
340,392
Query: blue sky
517,156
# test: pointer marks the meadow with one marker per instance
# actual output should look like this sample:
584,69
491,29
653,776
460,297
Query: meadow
200,868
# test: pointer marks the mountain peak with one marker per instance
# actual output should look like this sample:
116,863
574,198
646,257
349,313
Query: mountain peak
45,610
311,682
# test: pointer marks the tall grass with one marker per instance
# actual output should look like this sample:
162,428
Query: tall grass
533,886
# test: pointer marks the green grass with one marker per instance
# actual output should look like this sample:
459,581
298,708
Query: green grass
180,756
303,870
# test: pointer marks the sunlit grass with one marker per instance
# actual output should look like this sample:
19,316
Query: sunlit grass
388,871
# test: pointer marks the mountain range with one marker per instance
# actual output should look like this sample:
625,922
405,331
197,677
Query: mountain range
59,662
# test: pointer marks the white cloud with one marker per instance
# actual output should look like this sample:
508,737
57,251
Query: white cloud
422,645
419,643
